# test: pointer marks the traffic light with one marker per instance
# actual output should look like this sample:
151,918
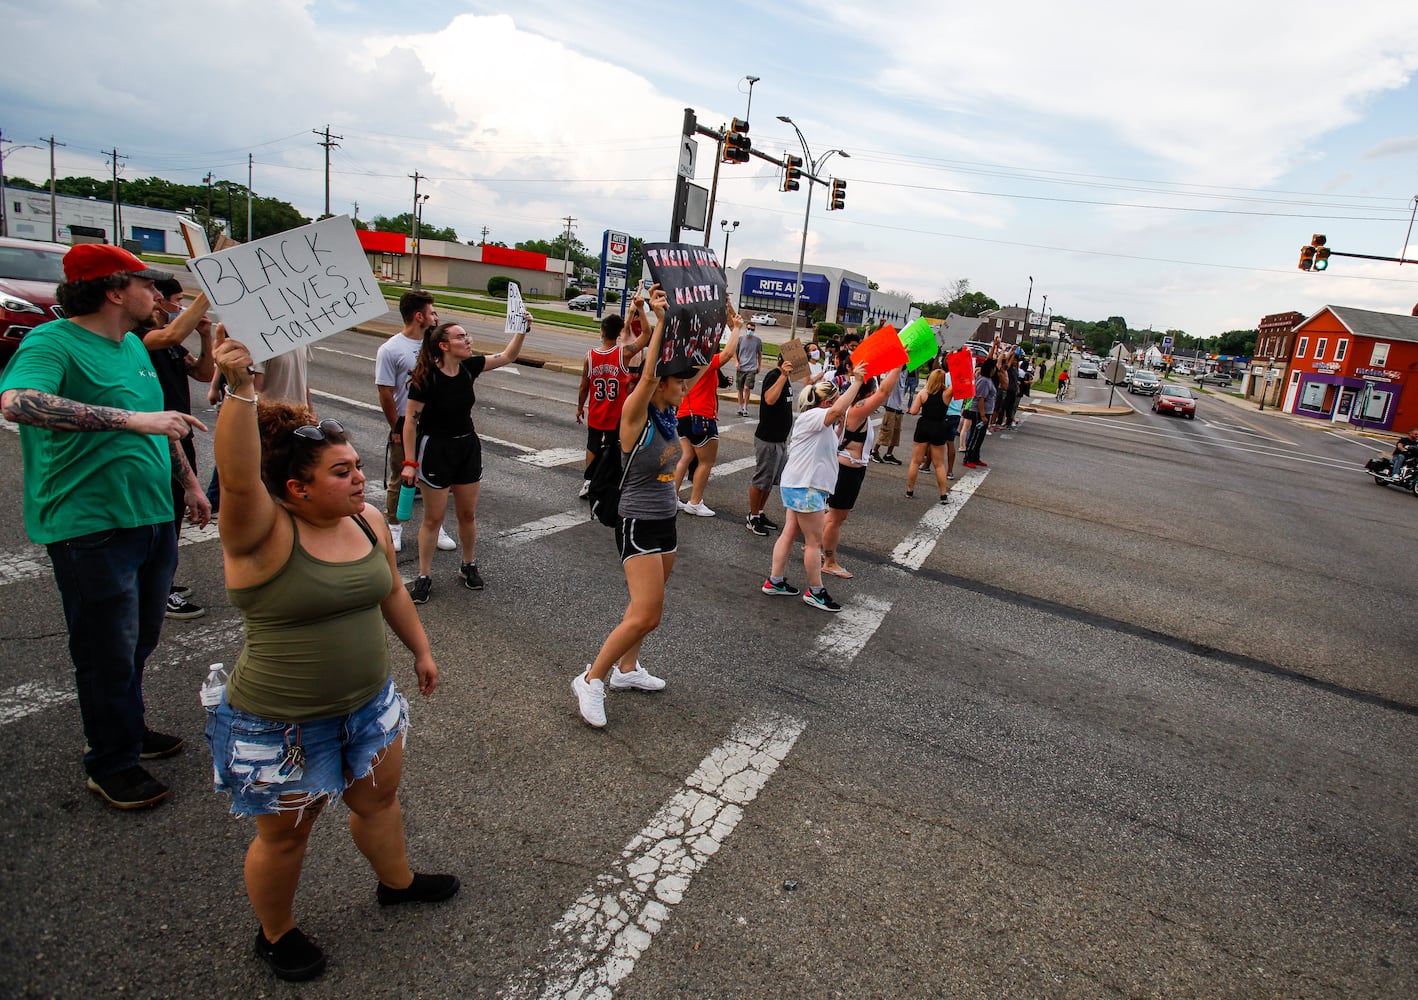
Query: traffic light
736,142
1322,258
836,201
1307,258
793,169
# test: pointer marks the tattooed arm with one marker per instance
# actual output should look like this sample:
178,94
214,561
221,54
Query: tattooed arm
55,413
199,508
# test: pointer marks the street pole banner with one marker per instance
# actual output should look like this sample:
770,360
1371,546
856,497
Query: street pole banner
291,289
697,292
516,314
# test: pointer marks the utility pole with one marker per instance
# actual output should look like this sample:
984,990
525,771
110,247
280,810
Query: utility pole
485,232
414,230
117,218
53,210
4,216
248,197
329,143
566,256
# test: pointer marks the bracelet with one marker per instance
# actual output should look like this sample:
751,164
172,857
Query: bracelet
245,399
410,465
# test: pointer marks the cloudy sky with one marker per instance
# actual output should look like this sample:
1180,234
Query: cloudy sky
1163,166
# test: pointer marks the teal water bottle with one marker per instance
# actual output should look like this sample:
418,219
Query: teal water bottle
406,502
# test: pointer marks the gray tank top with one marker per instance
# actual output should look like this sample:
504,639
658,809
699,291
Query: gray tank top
649,489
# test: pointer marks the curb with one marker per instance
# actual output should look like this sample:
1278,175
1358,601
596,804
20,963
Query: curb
1092,411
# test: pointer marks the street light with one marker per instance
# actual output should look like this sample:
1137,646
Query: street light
418,259
728,231
1028,300
815,165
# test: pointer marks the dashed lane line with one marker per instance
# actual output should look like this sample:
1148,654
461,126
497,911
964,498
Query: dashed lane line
31,562
916,547
850,629
596,943
33,696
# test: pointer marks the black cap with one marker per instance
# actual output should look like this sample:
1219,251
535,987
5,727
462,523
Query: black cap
675,368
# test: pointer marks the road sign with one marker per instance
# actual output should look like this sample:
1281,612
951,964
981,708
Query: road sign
617,248
1167,343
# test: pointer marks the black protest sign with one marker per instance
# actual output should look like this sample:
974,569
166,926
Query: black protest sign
697,302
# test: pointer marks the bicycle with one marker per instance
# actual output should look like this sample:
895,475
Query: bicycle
1066,391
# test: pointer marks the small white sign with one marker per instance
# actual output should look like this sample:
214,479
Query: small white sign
291,289
516,313
617,249
615,281
196,238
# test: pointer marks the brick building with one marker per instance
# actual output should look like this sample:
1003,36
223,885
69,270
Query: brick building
1355,366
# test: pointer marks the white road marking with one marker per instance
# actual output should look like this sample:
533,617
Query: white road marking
729,468
29,698
851,629
550,457
916,547
1361,443
534,530
348,354
9,426
361,404
596,943
32,562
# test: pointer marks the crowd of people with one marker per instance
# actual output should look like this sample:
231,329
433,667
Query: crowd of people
311,709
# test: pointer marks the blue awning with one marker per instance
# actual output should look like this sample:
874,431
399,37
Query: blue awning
854,295
763,283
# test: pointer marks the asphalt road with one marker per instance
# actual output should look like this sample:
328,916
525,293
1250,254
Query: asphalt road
1135,717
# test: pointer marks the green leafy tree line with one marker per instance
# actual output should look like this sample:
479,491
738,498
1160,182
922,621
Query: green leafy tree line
206,202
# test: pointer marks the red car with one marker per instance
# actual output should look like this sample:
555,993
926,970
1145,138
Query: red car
29,272
1175,399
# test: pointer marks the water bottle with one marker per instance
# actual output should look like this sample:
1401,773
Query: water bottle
406,502
214,687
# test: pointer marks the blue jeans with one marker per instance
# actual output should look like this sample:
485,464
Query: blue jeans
114,585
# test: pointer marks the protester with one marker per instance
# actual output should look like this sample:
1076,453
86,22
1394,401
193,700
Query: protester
816,363
286,378
983,406
857,434
645,533
808,478
934,431
310,711
750,359
448,455
98,454
699,424
770,444
890,435
163,335
605,382
393,364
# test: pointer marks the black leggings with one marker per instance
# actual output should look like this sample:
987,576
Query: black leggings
976,438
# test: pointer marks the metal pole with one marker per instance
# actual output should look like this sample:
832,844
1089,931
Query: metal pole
414,233
53,203
713,188
802,254
248,197
4,216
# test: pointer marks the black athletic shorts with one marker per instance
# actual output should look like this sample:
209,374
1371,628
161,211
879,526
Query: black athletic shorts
450,461
849,487
596,440
931,432
638,536
699,431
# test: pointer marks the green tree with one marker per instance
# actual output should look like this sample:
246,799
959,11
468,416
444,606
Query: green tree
1238,342
404,223
971,304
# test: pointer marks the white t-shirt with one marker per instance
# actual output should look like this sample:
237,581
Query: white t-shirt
394,363
286,377
812,453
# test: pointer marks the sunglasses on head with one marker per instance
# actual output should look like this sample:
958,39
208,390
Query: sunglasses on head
317,432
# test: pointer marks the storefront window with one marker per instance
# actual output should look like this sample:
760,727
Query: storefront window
1376,409
1312,397
1380,356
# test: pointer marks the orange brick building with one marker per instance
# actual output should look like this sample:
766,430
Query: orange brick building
1355,366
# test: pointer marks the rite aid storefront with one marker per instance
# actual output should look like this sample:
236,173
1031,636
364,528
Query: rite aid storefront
843,296
1355,366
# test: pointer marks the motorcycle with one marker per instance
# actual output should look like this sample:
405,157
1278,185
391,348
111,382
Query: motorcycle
1382,471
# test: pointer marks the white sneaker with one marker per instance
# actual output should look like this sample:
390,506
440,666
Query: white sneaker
700,509
397,530
591,698
585,488
444,541
638,679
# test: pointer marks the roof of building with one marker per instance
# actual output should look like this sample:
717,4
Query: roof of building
1367,323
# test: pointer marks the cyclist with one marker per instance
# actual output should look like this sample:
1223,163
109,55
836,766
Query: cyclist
1063,385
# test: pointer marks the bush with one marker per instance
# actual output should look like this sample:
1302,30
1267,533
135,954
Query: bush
571,292
1044,351
612,296
497,285
826,331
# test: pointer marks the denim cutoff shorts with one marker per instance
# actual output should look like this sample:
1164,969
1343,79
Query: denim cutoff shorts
803,499
251,755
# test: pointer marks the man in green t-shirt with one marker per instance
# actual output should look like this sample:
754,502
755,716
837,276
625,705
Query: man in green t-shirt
99,452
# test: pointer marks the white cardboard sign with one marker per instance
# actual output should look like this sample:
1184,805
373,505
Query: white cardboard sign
291,289
516,314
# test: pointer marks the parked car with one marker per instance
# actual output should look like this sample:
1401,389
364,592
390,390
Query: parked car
1182,371
1175,399
1086,369
583,302
1215,378
1144,381
29,272
762,319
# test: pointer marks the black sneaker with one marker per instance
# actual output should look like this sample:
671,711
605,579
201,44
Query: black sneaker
472,579
763,520
293,957
158,745
423,889
821,600
754,523
876,458
784,589
181,608
420,589
890,460
132,788
184,591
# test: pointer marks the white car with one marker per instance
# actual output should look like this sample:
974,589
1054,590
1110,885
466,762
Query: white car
762,319
1181,371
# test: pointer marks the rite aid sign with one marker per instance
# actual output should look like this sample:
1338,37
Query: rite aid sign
617,249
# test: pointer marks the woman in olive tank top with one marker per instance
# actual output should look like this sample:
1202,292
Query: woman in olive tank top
310,711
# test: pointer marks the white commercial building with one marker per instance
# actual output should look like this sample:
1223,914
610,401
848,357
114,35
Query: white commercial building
88,220
843,296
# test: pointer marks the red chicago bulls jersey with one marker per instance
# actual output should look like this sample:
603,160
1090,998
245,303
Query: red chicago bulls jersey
610,384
